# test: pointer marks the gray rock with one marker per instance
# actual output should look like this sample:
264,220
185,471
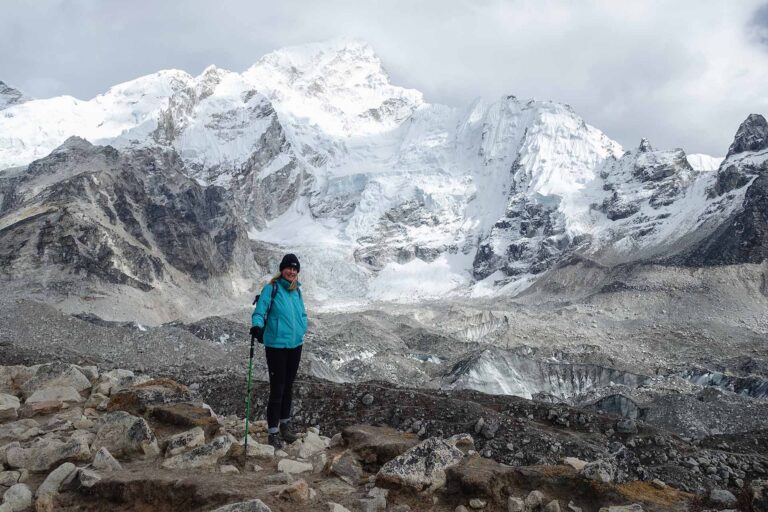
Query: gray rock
46,493
185,441
45,453
279,479
16,499
206,456
367,399
626,426
9,407
599,470
50,399
515,504
104,461
346,466
552,506
56,375
421,467
335,507
534,500
477,503
20,430
635,507
722,498
87,477
245,506
124,434
307,446
294,467
372,504
9,478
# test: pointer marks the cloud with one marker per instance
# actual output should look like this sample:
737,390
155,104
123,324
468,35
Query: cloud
683,73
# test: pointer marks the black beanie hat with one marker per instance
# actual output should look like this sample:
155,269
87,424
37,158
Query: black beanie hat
290,260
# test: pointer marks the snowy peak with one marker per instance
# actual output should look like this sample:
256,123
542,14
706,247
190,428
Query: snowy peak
10,96
339,85
752,135
645,146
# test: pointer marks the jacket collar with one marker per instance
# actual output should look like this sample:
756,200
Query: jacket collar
286,283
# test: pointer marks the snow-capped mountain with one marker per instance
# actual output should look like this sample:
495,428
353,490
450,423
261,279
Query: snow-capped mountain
386,196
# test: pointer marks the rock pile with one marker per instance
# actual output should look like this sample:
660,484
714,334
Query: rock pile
77,438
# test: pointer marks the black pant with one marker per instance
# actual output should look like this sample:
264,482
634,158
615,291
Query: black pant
283,363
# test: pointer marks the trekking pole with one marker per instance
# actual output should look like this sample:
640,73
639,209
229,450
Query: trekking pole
248,405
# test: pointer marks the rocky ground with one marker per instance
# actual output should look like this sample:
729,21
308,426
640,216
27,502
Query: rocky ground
77,438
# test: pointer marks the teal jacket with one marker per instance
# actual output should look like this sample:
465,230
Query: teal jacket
287,321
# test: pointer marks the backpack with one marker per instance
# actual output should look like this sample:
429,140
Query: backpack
271,300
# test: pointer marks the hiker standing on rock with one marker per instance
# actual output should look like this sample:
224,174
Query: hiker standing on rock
283,335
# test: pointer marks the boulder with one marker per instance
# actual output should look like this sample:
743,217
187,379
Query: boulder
534,500
97,401
346,466
722,498
421,467
378,445
9,407
124,434
20,430
16,499
477,503
245,506
46,493
515,504
294,467
261,451
87,478
115,380
185,441
90,372
552,506
56,375
228,468
463,442
9,478
335,507
626,426
186,414
307,446
296,492
759,490
599,470
635,507
13,377
46,453
575,463
104,461
51,399
206,456
138,398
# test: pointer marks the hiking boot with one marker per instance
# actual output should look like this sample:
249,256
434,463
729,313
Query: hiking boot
274,440
287,432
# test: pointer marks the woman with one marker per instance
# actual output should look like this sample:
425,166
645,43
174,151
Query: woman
283,338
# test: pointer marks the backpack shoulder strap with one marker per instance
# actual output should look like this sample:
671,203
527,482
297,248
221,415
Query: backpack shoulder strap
271,300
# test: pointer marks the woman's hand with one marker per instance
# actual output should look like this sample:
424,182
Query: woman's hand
258,333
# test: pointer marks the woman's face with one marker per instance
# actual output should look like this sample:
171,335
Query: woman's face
289,273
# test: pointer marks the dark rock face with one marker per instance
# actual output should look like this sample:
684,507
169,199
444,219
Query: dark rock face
530,238
9,96
742,239
752,135
116,218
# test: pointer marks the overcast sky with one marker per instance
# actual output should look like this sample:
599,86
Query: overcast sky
683,73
